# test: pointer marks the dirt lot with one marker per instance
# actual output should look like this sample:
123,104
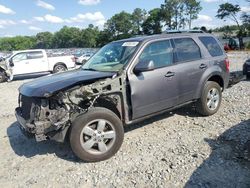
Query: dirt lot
176,149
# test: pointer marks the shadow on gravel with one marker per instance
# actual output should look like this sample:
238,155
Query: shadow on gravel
188,110
229,163
23,146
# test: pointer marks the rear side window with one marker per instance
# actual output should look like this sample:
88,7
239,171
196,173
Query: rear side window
161,52
35,55
186,50
212,46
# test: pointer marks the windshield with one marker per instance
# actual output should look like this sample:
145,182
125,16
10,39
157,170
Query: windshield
112,57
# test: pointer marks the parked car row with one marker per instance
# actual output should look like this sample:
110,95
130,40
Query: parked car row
33,62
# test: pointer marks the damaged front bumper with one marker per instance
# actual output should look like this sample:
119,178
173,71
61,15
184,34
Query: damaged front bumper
41,122
23,125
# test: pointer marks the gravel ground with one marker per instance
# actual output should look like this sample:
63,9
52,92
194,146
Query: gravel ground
176,149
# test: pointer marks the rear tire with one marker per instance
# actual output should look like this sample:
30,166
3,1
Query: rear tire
3,77
210,100
59,68
96,135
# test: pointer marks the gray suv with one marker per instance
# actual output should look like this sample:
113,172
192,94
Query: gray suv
124,82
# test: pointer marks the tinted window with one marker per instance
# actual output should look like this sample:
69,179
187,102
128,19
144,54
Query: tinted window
35,55
160,52
212,46
186,49
19,57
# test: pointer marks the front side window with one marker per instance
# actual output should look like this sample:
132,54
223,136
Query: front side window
35,55
112,57
19,57
212,46
160,52
186,50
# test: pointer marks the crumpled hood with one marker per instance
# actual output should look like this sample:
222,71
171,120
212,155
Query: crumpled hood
50,84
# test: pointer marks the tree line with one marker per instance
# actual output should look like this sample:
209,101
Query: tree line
171,15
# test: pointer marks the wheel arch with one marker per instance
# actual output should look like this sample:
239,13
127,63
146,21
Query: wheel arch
59,63
215,77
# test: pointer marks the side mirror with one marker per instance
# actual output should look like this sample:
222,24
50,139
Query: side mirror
11,63
144,66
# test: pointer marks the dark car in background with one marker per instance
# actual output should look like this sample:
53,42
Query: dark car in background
246,69
125,82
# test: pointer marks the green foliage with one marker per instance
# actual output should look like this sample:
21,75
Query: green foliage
178,13
228,11
152,24
247,45
138,18
120,25
17,43
193,8
44,40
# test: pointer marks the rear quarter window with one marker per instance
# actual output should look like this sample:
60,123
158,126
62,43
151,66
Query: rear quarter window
35,55
186,50
212,46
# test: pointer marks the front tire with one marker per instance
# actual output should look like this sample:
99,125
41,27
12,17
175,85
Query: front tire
210,100
96,135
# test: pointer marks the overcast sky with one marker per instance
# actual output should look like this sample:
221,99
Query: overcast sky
28,17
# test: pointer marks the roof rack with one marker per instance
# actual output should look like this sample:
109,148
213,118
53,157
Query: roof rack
183,31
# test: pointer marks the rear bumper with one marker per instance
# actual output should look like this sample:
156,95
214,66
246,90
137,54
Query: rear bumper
235,77
246,69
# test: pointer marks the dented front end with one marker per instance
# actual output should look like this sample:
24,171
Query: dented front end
51,117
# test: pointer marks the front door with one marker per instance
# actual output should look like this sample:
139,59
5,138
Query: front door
155,90
21,64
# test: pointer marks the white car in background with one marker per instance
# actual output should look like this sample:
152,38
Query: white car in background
83,58
33,62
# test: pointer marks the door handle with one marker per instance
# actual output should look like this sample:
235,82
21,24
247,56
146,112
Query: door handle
26,62
170,74
203,66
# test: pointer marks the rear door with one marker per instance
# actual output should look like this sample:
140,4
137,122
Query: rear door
154,90
191,67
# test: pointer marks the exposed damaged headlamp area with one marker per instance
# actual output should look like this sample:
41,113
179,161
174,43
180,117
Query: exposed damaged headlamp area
50,118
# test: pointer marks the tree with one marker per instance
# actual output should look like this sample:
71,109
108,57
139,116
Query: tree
138,18
120,25
192,8
89,37
152,24
245,17
17,43
230,11
67,37
170,11
44,40
178,13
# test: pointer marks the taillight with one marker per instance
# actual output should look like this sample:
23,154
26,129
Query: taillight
226,61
